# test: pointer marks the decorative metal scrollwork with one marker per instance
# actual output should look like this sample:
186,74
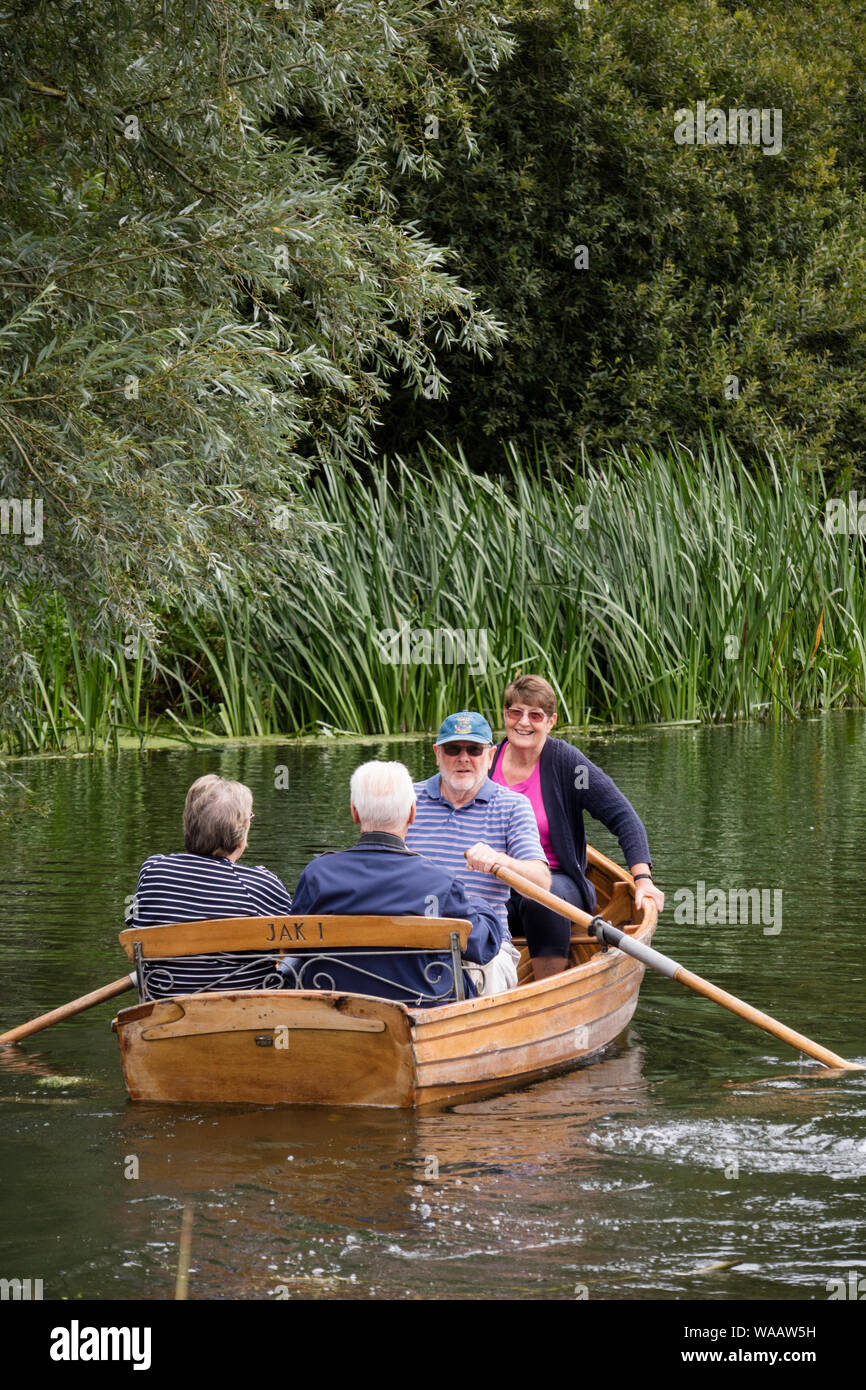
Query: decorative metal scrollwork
162,979
435,972
303,972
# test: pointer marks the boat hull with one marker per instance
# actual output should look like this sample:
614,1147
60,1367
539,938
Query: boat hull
317,1048
268,1047
507,1039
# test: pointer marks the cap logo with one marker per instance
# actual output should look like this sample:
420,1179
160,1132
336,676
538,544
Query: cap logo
462,725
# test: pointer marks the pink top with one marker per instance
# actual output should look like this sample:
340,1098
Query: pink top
531,787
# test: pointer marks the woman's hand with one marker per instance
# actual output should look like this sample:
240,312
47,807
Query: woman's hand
645,890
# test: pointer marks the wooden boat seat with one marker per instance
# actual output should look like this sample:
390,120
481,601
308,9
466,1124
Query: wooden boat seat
525,973
244,953
294,935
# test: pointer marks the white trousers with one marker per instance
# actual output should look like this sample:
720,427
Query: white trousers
499,974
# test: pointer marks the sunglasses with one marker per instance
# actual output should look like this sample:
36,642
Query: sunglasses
455,749
537,716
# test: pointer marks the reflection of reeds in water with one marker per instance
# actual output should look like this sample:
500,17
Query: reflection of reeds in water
184,1249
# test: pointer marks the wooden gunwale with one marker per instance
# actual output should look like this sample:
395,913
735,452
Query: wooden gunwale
500,1052
454,1059
520,1043
459,1071
461,1036
514,1000
553,1007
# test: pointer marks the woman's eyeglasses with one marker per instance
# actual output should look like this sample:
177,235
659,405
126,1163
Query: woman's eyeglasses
515,714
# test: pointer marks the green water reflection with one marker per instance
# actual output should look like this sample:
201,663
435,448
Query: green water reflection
698,1141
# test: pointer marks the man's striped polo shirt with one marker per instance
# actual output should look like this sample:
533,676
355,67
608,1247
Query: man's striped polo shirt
499,817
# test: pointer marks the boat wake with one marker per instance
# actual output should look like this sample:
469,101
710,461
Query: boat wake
813,1147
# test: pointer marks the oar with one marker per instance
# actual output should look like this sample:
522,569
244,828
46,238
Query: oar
75,1006
604,932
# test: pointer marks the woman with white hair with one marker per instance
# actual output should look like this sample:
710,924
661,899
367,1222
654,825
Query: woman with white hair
206,882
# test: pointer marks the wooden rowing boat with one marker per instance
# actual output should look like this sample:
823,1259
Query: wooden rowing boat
314,1047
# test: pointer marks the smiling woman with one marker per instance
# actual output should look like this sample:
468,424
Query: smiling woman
560,784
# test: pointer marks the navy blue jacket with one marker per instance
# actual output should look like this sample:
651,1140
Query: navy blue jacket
570,785
380,876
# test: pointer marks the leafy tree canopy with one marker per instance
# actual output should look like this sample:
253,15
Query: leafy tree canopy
720,284
196,304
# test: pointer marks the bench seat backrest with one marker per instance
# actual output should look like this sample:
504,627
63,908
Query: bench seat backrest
295,935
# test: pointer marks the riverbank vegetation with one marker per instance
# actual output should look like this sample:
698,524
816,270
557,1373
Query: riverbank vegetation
196,309
652,586
255,259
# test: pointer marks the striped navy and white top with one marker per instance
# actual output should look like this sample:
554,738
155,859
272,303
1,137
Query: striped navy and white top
195,888
496,815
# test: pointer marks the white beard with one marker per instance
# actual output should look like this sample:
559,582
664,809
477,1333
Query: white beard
462,788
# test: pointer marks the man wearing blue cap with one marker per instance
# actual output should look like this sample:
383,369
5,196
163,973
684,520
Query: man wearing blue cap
467,823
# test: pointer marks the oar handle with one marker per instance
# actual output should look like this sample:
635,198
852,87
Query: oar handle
541,895
674,971
75,1006
528,889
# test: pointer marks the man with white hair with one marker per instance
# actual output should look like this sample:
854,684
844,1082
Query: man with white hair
380,876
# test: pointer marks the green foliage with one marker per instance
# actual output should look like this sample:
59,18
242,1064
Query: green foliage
692,587
705,262
646,587
196,308
238,244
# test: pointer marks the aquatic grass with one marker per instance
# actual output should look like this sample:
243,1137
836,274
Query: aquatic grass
646,586
80,704
696,591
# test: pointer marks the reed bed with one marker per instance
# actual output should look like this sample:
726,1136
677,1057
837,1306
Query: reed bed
646,587
649,587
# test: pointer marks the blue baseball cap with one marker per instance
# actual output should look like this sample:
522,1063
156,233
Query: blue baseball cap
465,724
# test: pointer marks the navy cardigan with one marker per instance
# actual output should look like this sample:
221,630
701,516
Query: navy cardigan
567,792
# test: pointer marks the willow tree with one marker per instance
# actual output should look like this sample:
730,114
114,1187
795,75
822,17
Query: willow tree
197,307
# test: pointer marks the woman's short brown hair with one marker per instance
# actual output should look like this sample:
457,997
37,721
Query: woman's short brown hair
531,690
216,816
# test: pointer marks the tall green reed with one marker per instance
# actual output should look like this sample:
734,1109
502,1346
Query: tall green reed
646,586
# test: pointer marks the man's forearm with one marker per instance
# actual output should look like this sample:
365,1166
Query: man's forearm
483,858
534,869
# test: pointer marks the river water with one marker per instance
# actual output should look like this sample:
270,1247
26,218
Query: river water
697,1141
